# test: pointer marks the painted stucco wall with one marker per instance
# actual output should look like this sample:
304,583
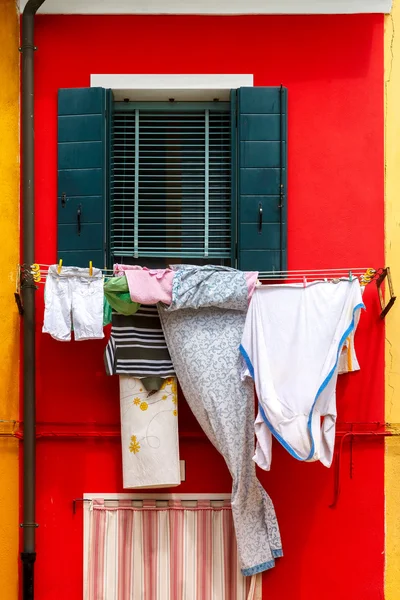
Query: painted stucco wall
9,319
333,68
392,209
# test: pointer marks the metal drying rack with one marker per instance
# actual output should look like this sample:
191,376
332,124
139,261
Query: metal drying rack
31,275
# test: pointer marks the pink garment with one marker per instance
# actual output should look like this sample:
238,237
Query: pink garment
147,286
251,280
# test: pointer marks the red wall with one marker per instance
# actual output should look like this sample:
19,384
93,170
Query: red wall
333,67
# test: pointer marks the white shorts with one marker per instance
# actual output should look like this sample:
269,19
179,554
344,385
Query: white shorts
73,298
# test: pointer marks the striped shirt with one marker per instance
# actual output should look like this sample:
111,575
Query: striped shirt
137,346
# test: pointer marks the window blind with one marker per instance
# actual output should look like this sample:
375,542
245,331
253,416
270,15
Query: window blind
169,549
170,184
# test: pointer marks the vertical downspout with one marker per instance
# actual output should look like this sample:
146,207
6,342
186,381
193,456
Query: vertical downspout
28,555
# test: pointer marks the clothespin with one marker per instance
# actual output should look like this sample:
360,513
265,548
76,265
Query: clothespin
90,268
304,281
59,266
35,269
350,276
367,277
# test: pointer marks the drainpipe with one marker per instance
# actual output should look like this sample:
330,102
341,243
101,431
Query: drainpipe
28,555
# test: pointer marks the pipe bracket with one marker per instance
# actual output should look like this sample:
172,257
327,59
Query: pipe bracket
27,47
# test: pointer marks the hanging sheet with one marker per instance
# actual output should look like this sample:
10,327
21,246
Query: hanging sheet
204,346
149,432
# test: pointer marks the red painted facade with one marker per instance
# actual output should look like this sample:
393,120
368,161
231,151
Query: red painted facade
333,68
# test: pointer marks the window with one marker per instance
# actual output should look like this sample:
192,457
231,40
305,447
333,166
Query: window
170,191
162,546
173,182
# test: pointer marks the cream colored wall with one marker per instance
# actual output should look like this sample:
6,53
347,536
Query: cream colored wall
9,319
392,218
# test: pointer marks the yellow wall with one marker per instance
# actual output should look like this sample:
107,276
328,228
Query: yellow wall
9,319
392,207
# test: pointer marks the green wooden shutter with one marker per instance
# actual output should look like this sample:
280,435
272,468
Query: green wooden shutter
82,175
262,178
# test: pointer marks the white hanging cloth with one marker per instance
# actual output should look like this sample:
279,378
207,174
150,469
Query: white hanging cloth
292,341
149,434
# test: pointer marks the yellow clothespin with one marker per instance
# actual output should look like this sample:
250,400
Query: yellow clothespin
35,269
90,268
59,266
367,277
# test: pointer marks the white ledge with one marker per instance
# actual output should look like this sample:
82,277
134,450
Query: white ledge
164,87
212,7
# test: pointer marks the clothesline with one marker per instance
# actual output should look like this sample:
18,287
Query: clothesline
290,276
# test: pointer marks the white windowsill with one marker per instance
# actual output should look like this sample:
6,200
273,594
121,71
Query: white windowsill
164,87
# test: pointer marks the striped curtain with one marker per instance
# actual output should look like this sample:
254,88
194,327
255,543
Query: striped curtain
171,550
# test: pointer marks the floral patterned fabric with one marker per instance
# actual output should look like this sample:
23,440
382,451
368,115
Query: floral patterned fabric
149,432
204,347
199,287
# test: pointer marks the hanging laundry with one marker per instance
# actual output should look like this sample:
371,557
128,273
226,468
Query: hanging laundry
348,362
75,298
137,347
107,313
147,286
204,343
251,280
149,432
291,346
209,285
200,287
116,291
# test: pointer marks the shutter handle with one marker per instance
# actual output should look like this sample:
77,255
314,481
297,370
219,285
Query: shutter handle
63,199
78,218
260,218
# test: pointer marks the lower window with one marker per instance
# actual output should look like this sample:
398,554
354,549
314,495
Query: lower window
174,548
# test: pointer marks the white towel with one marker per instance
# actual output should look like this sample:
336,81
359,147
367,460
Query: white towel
291,346
149,432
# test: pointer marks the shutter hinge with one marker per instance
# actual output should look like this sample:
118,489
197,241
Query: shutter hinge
281,196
